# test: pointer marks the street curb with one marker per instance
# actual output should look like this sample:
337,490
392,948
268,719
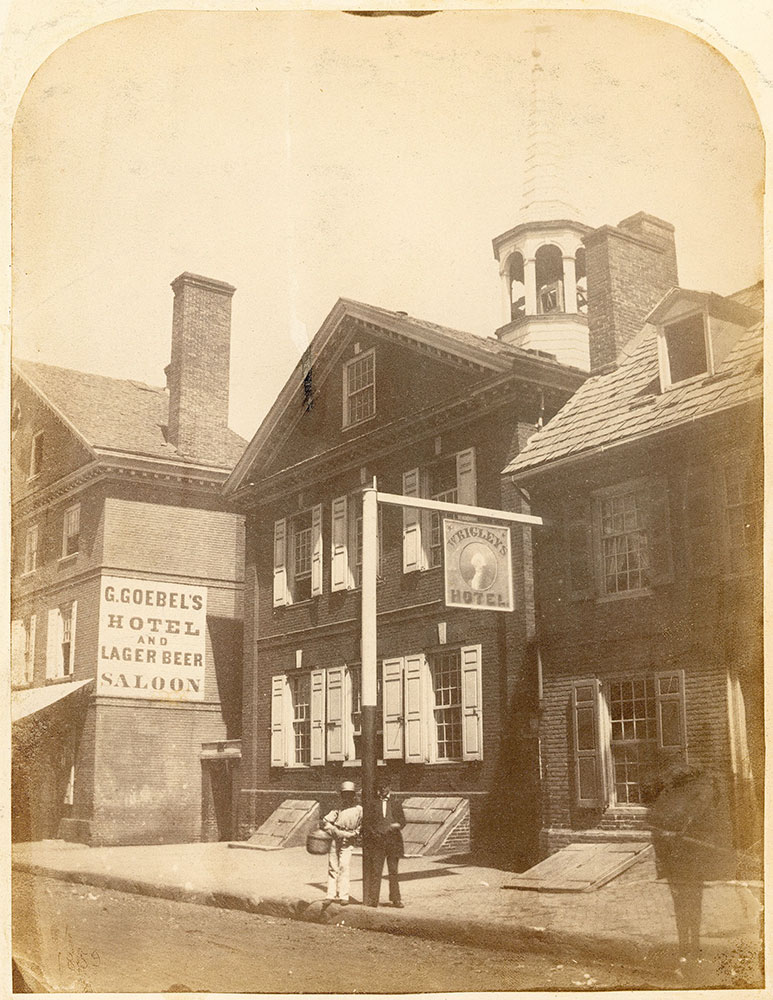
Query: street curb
489,934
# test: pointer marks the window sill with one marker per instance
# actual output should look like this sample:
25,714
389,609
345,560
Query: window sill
31,479
60,680
28,573
359,423
63,560
625,595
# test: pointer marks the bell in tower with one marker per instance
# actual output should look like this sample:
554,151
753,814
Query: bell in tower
542,259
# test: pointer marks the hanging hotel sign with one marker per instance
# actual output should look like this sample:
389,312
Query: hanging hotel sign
152,639
478,566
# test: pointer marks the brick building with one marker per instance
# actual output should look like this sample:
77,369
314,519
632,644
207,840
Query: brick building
431,412
648,580
127,588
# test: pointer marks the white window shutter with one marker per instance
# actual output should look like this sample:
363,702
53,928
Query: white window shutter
586,738
281,594
316,550
413,556
472,703
54,643
278,685
415,723
392,682
18,650
317,717
336,707
29,673
466,477
73,620
340,578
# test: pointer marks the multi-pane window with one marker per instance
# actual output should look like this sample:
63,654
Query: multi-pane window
29,649
443,486
36,455
355,676
446,674
633,738
624,732
302,551
360,388
31,549
300,698
66,659
743,512
71,531
624,546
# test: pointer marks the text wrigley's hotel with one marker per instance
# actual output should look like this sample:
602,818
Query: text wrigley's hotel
127,594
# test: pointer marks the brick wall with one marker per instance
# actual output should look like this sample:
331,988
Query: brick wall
630,267
198,374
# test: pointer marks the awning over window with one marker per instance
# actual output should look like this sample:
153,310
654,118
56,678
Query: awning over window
31,700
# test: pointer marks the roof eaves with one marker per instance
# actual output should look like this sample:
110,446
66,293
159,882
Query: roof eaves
55,409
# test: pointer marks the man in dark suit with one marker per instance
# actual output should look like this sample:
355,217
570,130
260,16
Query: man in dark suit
386,841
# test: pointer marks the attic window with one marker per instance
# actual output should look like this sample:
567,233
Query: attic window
360,388
684,352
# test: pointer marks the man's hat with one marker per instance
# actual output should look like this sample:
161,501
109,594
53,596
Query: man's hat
347,786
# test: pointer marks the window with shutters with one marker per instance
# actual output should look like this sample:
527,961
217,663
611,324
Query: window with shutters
299,689
618,544
31,549
625,730
432,706
360,388
450,479
29,648
355,714
60,641
71,531
446,673
301,557
298,557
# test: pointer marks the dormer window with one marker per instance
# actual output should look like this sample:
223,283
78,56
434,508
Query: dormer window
684,350
360,388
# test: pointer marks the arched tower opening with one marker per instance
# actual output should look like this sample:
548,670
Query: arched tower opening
549,268
517,286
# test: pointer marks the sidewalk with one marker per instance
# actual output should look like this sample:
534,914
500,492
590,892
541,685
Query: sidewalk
630,920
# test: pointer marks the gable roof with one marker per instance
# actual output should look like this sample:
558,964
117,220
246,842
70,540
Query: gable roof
489,356
626,404
119,416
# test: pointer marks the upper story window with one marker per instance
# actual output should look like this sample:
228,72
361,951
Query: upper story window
71,530
36,455
31,549
618,540
451,479
684,350
360,388
60,641
298,557
743,502
23,650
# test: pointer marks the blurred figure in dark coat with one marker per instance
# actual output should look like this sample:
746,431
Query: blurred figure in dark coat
691,835
386,841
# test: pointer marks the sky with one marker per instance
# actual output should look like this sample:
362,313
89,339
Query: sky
305,156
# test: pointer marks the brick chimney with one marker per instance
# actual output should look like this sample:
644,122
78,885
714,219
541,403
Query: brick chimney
198,374
630,267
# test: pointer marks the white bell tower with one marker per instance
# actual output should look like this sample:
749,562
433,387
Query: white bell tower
542,259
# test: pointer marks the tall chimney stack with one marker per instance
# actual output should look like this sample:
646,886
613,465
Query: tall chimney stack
198,374
630,268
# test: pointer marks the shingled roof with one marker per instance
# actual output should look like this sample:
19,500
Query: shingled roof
626,404
119,415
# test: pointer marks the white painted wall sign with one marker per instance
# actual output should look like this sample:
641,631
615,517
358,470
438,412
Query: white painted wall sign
478,566
152,639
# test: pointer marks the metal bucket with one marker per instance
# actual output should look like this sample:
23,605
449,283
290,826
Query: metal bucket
318,842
